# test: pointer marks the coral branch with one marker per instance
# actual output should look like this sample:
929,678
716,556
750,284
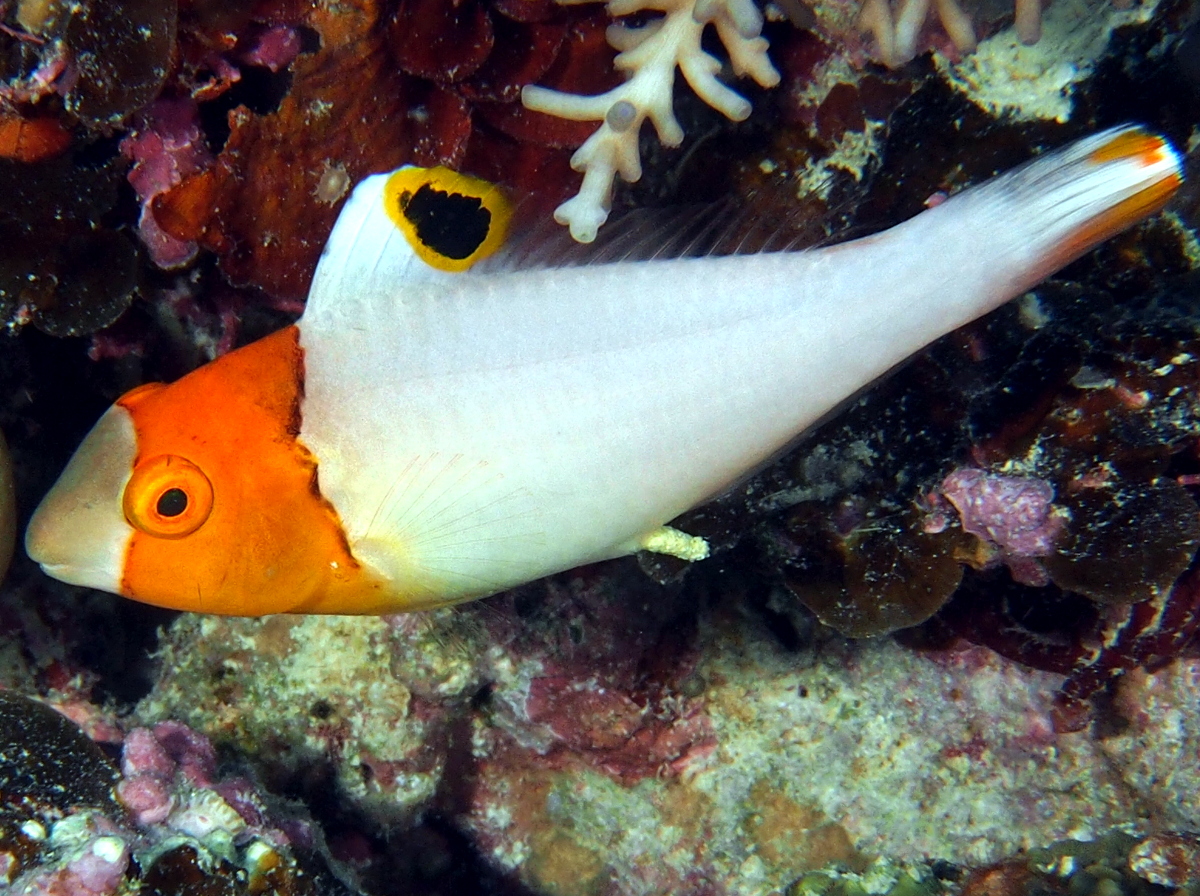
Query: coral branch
898,34
649,55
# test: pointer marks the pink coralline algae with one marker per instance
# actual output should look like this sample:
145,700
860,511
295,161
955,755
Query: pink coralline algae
97,868
173,819
147,797
170,778
166,146
274,49
1014,516
150,762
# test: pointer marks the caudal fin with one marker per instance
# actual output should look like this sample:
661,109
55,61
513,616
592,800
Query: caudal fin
1065,202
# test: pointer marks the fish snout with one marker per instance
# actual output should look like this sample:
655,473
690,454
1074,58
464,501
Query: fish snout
78,533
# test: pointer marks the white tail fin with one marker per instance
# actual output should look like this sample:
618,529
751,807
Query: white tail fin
983,246
1058,206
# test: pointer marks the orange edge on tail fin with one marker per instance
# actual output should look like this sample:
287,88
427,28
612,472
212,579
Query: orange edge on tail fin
1152,151
1134,141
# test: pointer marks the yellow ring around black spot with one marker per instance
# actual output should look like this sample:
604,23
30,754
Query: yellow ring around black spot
452,221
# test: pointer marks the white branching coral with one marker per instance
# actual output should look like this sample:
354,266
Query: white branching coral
649,56
898,31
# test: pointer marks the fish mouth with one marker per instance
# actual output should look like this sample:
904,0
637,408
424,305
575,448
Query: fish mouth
79,534
85,576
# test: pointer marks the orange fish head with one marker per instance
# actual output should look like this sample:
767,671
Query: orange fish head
200,496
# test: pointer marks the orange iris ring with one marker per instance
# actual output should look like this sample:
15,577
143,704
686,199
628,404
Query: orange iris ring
151,480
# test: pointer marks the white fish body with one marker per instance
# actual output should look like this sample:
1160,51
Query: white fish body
536,420
422,437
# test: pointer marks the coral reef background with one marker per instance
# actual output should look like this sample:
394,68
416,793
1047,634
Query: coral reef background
947,644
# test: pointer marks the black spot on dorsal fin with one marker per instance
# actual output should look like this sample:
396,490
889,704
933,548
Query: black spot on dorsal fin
451,224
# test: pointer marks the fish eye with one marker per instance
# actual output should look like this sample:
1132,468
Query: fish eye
168,496
172,502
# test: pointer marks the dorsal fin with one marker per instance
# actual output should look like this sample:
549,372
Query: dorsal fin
409,226
729,226
431,225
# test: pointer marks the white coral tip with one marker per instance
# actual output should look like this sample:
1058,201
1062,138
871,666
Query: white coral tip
583,216
876,18
909,19
958,25
649,55
743,14
624,38
745,17
610,151
565,105
699,72
749,57
1029,21
670,131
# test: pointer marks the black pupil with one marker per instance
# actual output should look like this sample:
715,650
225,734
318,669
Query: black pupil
172,502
